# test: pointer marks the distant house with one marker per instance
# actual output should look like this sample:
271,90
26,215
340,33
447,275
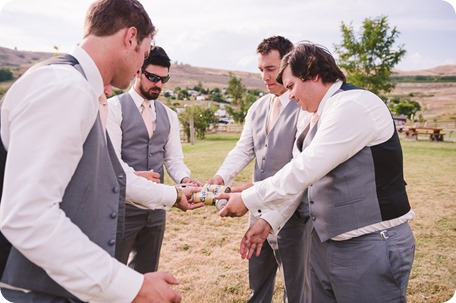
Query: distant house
200,98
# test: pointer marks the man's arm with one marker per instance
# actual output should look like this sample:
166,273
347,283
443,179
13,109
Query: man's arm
240,156
44,136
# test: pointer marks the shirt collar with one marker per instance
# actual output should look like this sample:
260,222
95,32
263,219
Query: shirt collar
332,89
90,69
284,100
137,98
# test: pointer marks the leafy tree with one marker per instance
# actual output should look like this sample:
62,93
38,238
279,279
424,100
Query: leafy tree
404,107
5,75
368,58
235,88
203,118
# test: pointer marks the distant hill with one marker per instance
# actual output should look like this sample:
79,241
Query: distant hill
442,70
185,75
182,75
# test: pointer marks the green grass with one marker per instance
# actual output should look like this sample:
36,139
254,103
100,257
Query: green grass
201,249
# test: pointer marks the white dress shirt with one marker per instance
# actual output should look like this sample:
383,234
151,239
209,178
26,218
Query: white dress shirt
141,191
348,122
46,117
243,153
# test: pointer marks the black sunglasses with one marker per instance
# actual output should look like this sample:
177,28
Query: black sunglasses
155,78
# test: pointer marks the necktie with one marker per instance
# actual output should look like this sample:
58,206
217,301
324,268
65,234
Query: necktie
145,113
314,120
274,113
103,110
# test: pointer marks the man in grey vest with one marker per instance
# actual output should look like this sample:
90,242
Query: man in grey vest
145,134
351,163
268,138
63,191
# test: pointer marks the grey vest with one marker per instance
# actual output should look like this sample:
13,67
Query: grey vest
138,151
273,150
367,188
94,200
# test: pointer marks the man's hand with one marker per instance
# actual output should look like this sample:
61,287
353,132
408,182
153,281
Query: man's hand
254,238
149,175
186,202
216,180
156,289
235,206
188,180
241,187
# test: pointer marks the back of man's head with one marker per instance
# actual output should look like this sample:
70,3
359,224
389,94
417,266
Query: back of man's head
107,17
157,57
278,43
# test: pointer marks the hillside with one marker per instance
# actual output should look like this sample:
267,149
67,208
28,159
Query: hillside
438,100
183,75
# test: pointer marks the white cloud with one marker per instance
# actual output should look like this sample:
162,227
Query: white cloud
225,33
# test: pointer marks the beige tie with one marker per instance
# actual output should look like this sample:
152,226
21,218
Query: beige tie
314,120
145,113
274,113
103,110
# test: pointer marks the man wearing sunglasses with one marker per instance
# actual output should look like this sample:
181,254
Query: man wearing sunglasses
146,137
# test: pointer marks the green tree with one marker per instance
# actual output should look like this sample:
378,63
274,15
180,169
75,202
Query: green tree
368,58
203,118
240,103
404,107
5,75
235,88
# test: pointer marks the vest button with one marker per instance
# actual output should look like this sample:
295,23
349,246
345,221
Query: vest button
114,215
313,218
150,155
265,145
116,189
259,210
311,202
112,242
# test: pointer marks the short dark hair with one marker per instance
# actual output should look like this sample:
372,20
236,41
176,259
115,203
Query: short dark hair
157,57
278,43
107,17
308,60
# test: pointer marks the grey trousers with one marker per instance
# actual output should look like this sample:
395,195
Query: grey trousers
370,268
286,252
143,238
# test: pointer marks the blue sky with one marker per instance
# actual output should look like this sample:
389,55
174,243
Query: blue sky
224,33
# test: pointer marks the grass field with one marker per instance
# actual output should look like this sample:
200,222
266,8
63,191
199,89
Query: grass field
201,249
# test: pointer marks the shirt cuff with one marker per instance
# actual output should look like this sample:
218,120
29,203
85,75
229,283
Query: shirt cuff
252,201
169,196
124,287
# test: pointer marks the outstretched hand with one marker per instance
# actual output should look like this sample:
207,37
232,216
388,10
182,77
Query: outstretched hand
254,238
156,289
235,206
186,202
241,187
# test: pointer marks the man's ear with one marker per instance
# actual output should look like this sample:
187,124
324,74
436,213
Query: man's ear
131,37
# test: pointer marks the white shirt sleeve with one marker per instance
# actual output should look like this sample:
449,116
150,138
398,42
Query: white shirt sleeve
140,190
46,118
174,157
242,154
349,121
